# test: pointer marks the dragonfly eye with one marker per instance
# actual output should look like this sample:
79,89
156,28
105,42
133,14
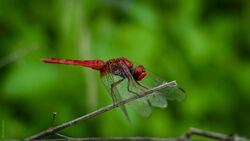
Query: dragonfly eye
139,73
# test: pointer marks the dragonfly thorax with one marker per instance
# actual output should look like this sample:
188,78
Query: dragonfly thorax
123,67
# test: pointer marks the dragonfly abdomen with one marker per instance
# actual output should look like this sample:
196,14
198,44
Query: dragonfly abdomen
94,64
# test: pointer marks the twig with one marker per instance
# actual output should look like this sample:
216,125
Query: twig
213,135
115,139
16,55
53,118
63,136
100,111
186,137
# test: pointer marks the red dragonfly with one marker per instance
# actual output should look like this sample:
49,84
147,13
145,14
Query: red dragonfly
122,79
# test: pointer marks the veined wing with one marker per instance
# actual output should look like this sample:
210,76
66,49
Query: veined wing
156,100
142,105
174,93
109,80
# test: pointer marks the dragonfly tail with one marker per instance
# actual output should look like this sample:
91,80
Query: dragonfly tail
94,64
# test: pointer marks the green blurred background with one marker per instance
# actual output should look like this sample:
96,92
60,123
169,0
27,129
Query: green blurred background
204,45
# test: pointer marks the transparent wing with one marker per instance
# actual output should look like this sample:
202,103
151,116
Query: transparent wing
157,99
175,93
108,79
141,106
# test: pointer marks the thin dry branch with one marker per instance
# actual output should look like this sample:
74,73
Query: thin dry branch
186,137
16,55
55,129
115,139
213,135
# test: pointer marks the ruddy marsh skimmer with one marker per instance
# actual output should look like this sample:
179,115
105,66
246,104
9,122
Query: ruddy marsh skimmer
123,79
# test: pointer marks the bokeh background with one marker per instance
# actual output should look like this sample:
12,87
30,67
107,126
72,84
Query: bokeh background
204,45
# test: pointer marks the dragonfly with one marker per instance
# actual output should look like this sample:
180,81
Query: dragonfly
123,79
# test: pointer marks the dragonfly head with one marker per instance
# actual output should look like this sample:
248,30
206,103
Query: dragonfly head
139,72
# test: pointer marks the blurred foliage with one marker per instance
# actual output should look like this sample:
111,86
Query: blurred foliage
204,45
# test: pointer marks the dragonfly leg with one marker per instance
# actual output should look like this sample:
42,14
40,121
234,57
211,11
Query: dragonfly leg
141,85
131,90
148,101
113,85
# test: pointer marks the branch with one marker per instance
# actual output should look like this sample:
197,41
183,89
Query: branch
115,139
55,129
16,55
213,135
186,137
